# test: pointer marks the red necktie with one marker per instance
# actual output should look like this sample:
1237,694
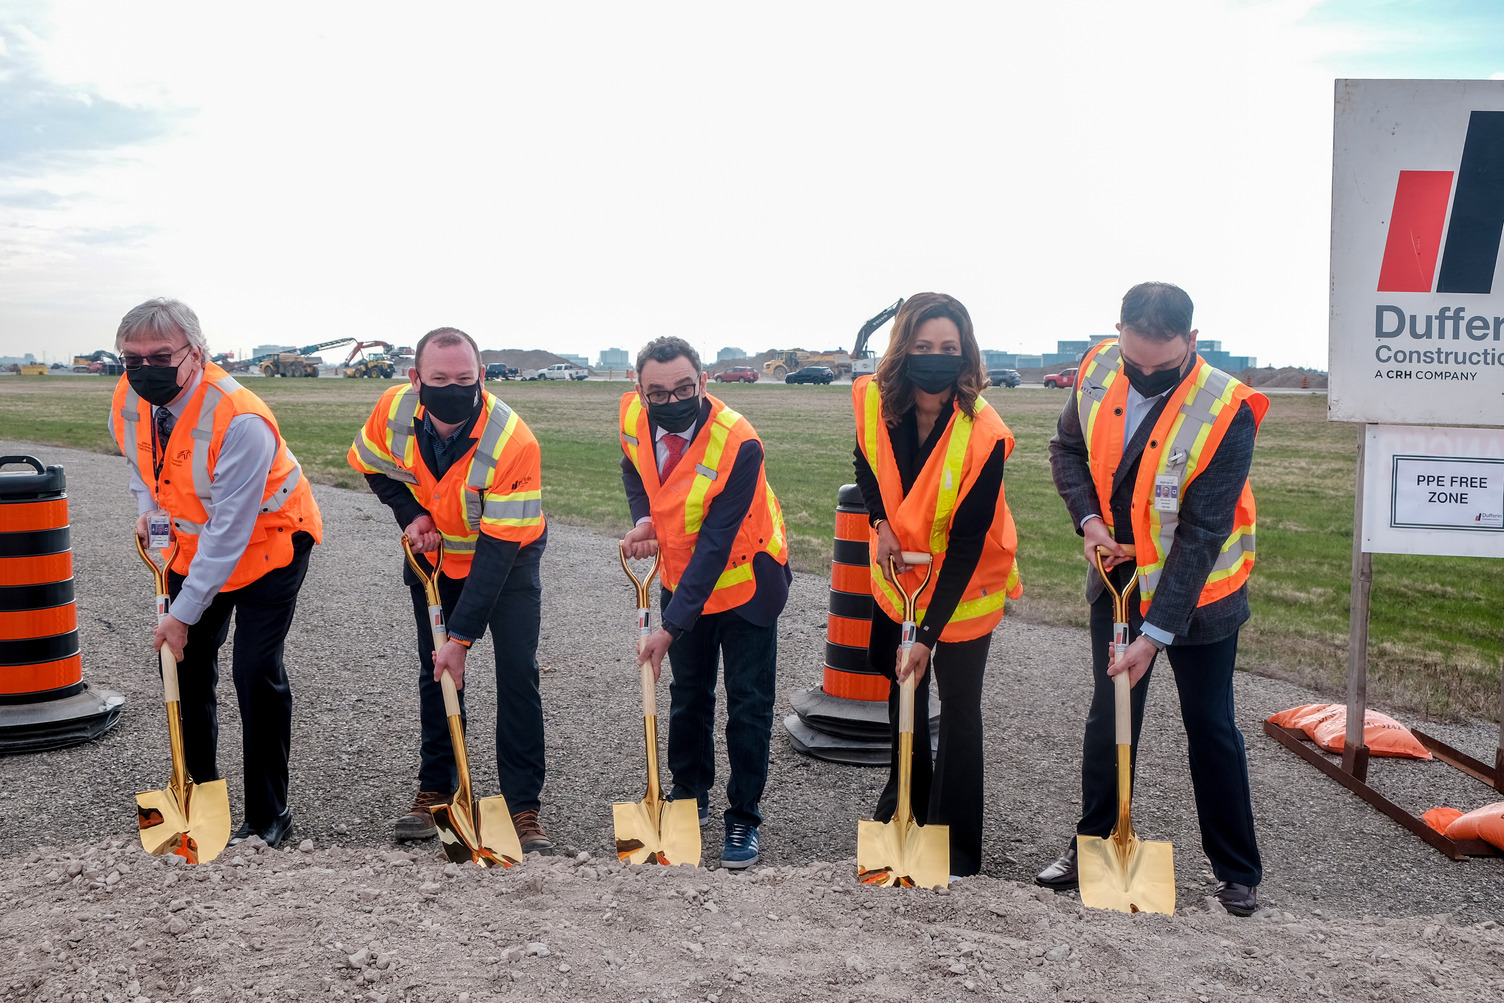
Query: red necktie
675,445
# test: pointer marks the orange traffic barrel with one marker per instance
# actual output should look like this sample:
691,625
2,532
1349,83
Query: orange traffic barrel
845,718
44,702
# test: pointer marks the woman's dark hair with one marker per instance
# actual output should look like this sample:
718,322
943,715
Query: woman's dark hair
893,385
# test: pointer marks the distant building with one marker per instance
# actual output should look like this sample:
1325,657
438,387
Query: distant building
615,358
17,360
575,360
729,353
1070,353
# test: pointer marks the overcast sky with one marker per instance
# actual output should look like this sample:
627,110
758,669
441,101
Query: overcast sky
582,176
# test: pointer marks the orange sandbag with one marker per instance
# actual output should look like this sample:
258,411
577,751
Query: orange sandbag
1473,824
1383,735
1440,818
1300,718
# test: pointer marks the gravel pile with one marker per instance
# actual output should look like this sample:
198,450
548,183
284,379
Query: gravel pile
104,922
1329,859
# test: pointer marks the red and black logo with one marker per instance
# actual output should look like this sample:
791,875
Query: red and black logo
1473,230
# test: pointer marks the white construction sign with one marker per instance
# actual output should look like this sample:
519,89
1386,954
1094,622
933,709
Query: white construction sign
1417,308
1434,490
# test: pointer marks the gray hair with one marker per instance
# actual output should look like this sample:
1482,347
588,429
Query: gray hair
667,349
164,318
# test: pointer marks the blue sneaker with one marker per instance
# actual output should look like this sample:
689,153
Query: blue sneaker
741,846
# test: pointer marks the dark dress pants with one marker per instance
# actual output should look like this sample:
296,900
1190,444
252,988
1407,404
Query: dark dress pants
950,791
519,706
751,656
263,613
1219,765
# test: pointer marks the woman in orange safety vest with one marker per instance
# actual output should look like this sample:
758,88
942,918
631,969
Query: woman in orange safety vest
929,463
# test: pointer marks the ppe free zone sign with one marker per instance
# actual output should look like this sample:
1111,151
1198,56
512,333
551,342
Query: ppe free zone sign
1417,309
1433,490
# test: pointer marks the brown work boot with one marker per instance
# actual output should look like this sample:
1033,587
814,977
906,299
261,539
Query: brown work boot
530,833
418,822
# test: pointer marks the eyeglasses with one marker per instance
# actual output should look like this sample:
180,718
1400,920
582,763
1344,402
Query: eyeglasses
159,360
683,393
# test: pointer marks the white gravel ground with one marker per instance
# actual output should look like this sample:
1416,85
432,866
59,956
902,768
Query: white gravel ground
1355,907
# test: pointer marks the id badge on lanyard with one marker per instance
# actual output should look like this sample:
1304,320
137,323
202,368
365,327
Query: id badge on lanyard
158,522
1167,493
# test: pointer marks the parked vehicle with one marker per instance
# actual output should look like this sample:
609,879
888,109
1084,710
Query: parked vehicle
501,371
563,371
1065,379
1004,377
737,374
811,374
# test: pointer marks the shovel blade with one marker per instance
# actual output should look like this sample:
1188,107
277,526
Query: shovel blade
658,832
904,854
1137,878
196,826
480,833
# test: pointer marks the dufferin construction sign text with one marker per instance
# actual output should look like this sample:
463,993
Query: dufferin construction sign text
1417,320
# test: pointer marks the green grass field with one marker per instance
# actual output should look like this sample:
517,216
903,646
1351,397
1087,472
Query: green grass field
1436,622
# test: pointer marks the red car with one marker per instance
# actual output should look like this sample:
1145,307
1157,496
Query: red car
737,374
1065,379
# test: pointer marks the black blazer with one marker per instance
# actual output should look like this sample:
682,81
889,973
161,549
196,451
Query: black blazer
1208,510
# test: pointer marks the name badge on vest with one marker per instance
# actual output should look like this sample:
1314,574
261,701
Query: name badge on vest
1167,493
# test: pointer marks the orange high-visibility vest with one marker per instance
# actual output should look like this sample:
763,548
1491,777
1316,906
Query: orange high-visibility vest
191,453
922,519
495,488
1193,423
680,504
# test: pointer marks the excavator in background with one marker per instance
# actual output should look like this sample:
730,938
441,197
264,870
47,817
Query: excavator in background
376,364
295,363
863,361
102,362
845,366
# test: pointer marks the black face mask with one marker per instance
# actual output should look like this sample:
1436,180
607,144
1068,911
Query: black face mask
1153,384
154,384
675,416
933,373
453,403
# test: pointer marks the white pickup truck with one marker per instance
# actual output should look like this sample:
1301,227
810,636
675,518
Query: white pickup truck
562,371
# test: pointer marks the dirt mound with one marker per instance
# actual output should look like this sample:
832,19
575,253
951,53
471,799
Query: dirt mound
523,358
1289,376
105,921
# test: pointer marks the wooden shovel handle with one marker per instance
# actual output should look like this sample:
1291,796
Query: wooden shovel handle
169,675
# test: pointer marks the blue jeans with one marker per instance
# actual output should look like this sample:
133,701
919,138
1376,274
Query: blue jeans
751,655
519,708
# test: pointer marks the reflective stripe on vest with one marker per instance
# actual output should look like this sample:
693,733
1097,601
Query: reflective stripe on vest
1182,457
695,507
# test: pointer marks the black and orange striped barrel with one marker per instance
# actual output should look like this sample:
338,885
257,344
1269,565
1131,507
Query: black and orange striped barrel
849,627
39,654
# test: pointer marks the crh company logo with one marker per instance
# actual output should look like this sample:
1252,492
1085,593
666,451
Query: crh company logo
1472,231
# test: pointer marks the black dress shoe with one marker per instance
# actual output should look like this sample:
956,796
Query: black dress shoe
1240,900
1061,873
273,835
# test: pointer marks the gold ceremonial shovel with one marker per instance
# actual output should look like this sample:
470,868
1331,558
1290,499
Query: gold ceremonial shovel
188,819
478,831
1124,872
653,830
901,851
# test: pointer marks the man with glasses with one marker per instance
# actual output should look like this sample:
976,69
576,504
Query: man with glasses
1163,465
695,483
206,454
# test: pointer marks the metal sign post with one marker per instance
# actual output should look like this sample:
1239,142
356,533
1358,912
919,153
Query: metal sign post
1416,347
